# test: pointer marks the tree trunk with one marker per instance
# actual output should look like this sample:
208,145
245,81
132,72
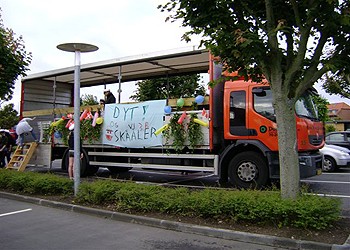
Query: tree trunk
287,144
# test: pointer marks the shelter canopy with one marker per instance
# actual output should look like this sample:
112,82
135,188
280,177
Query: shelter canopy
146,66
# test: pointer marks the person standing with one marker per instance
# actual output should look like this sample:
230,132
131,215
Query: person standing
22,128
110,98
102,103
10,143
3,149
71,152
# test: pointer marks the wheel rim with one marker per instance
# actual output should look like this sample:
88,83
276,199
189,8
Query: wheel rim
327,165
247,171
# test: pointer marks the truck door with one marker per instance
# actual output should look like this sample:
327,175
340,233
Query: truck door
238,119
262,116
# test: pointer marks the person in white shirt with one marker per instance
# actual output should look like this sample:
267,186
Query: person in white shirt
22,128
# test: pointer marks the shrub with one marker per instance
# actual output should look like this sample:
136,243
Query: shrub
35,183
253,206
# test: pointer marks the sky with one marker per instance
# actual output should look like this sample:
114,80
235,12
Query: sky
118,28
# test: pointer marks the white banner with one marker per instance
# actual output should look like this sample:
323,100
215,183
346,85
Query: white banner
133,125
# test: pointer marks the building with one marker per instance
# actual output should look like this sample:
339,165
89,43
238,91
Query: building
339,115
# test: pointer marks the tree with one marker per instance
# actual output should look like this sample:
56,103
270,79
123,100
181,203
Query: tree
292,43
14,61
321,105
337,84
172,87
8,116
87,99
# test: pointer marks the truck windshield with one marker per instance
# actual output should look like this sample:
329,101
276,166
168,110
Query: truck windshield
304,107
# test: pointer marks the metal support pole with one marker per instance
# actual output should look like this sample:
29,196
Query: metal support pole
77,48
76,168
54,97
120,83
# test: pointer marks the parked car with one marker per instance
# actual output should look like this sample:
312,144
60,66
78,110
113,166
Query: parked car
339,138
335,157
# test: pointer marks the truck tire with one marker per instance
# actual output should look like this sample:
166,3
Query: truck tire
248,170
84,163
329,164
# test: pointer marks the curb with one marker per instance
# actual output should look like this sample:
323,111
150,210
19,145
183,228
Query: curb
183,227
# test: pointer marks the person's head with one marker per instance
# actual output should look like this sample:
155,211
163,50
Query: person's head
106,91
102,102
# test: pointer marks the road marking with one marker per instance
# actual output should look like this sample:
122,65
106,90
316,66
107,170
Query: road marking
331,195
335,173
16,212
332,182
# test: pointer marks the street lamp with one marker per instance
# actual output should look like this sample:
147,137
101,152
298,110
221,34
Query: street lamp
77,48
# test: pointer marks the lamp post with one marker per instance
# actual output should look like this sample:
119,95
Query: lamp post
77,48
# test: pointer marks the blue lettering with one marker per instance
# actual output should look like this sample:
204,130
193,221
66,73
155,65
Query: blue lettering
131,114
116,112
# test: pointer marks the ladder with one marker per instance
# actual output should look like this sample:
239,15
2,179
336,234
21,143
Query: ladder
21,156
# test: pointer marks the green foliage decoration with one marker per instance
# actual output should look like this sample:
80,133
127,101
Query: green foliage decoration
176,132
195,135
88,133
180,132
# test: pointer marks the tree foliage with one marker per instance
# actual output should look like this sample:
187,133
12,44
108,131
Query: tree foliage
321,105
302,39
14,60
338,85
88,99
172,87
292,43
8,116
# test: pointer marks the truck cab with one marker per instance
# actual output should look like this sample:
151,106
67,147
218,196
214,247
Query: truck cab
250,132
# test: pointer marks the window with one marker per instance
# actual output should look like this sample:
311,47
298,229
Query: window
263,103
336,137
238,113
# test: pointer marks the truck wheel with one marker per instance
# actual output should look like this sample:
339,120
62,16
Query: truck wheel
329,164
84,163
248,170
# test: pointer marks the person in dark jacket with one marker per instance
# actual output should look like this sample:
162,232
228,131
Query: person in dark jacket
3,148
110,98
11,142
71,152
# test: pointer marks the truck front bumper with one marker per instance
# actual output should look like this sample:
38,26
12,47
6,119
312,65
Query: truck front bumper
310,164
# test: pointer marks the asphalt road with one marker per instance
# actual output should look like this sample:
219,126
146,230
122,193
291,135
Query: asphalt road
335,184
29,226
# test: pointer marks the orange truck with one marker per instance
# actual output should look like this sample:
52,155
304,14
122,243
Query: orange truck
237,121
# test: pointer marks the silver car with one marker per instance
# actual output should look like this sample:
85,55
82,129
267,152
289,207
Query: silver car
335,157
